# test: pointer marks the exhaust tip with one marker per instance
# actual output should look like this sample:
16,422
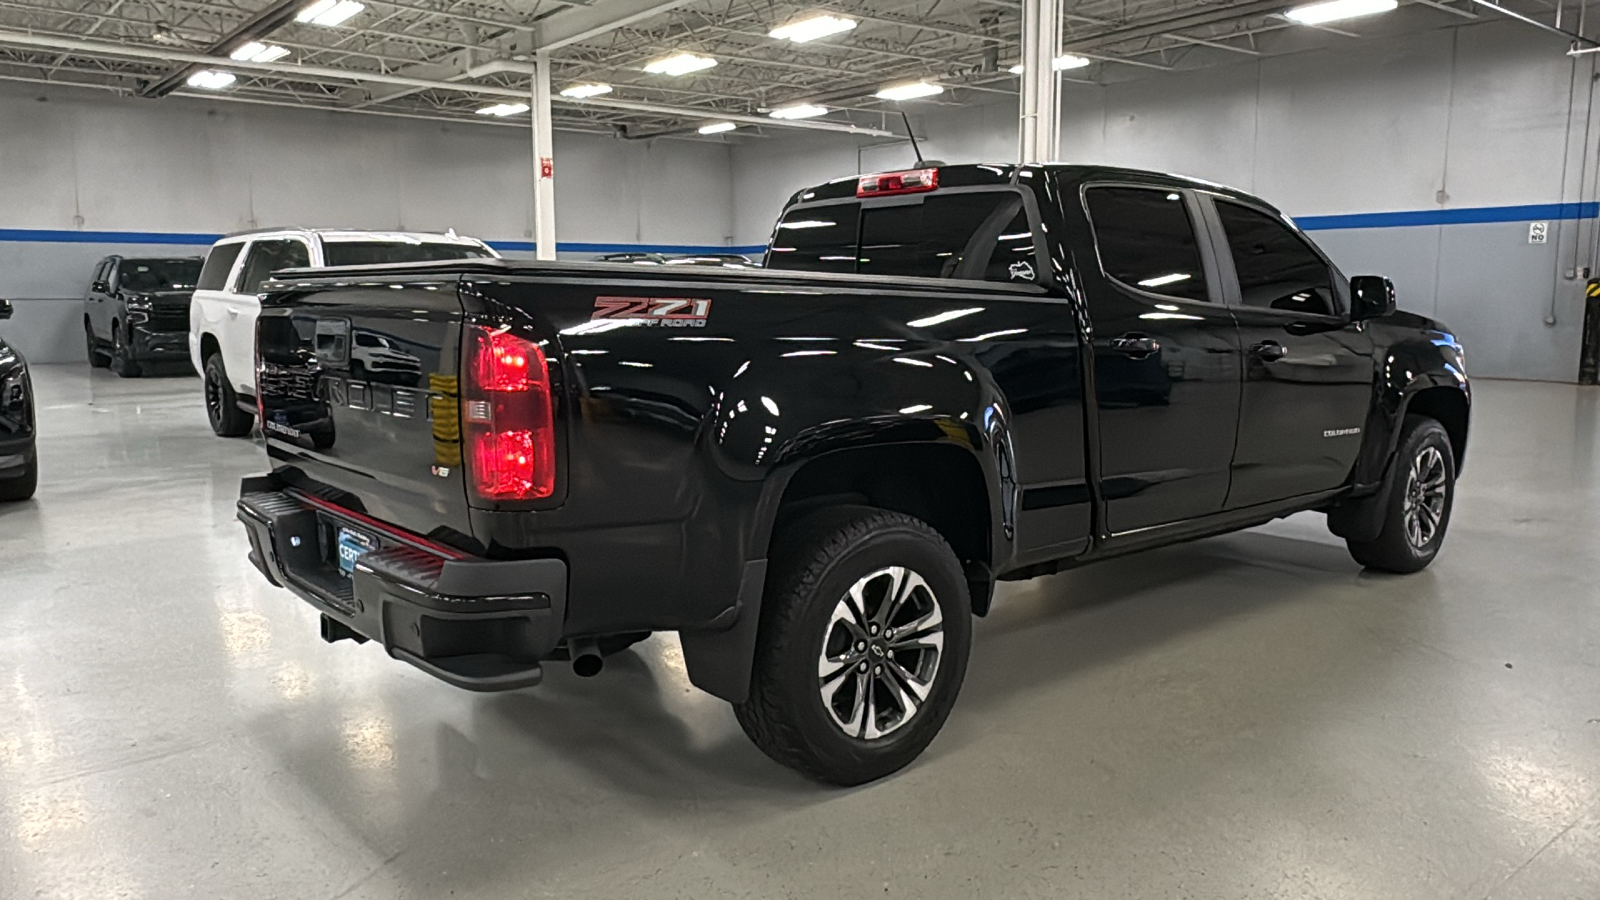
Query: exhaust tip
586,659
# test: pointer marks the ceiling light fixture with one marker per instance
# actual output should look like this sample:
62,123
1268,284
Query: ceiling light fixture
581,91
504,109
909,91
211,80
679,64
799,111
1335,10
811,28
717,127
330,12
255,51
1069,61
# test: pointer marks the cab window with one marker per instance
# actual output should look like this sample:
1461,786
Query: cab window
817,239
1276,268
1147,240
218,265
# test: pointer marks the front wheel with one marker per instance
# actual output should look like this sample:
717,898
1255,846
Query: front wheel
222,403
122,360
862,646
1420,498
21,487
97,359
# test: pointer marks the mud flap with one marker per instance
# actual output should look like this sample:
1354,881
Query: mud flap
719,661
1361,519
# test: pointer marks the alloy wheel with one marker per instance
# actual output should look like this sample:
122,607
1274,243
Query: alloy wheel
880,653
1423,505
214,398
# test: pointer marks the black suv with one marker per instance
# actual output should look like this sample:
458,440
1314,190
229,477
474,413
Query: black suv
137,312
19,462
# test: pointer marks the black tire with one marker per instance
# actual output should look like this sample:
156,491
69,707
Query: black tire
816,563
222,402
122,359
21,487
1421,494
97,358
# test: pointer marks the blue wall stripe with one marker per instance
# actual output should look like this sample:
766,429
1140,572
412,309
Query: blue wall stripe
1466,216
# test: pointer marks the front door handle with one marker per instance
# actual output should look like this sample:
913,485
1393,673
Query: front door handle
1135,345
233,312
1269,351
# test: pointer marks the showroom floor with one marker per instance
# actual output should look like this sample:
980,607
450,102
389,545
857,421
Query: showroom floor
1249,716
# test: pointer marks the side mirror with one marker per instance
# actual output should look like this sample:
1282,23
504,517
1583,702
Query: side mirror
5,309
1371,297
100,287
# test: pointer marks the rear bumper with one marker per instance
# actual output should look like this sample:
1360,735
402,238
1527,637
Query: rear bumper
475,623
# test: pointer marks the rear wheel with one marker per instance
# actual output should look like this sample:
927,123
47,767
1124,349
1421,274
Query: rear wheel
122,360
222,402
1420,499
97,358
862,645
21,487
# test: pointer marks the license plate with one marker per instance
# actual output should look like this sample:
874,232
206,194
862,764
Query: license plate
352,545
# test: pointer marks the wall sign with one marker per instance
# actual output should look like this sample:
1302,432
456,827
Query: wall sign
1538,232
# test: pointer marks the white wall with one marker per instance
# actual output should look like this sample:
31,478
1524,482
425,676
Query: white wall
1362,126
74,160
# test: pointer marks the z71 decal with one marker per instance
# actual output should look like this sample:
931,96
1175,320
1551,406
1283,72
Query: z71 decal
666,312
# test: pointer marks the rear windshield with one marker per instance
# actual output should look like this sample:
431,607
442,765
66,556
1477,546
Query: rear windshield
367,253
970,234
159,274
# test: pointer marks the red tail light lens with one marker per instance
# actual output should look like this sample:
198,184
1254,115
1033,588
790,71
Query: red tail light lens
913,182
509,421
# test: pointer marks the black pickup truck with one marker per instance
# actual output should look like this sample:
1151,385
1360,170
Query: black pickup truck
815,472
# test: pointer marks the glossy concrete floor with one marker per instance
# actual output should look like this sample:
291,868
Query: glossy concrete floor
1249,716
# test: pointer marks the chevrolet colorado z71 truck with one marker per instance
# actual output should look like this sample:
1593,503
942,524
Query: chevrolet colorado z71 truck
815,472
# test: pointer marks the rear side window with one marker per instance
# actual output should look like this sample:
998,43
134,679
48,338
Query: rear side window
817,239
1147,240
219,262
267,257
1276,269
368,253
967,235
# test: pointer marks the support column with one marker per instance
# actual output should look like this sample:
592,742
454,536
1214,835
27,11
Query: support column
1039,129
544,171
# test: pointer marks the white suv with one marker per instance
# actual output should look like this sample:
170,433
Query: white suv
222,316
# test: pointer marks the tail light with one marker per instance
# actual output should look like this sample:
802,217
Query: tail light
889,183
509,424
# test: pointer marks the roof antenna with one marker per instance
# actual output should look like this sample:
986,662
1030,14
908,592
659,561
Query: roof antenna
914,148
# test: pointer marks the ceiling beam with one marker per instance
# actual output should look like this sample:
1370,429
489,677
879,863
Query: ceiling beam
257,26
576,25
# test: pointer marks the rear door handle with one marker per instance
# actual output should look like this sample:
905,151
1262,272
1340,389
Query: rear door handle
1269,351
1135,345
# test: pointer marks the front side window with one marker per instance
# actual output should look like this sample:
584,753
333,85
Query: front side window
219,264
1276,268
267,257
1147,240
817,239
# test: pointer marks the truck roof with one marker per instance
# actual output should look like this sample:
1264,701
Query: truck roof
356,234
975,174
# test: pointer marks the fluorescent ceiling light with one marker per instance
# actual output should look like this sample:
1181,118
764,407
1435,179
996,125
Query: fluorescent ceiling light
799,111
503,109
211,80
255,51
717,127
679,64
1160,280
1064,61
330,12
909,91
581,91
1334,10
811,28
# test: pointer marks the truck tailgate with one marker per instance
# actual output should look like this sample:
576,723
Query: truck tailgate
358,386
